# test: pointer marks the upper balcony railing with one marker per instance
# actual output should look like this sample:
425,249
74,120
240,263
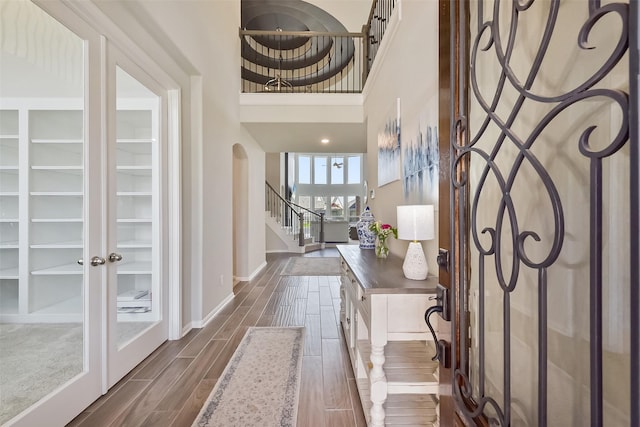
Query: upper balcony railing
302,61
311,61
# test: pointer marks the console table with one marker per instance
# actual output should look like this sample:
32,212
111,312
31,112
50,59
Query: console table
390,347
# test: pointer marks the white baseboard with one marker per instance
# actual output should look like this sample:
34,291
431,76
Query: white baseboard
202,323
253,275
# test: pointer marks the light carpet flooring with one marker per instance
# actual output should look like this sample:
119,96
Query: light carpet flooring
35,359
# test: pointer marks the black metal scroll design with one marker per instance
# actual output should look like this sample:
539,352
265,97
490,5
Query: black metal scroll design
495,244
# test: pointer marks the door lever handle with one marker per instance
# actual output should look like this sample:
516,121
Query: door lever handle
427,314
443,353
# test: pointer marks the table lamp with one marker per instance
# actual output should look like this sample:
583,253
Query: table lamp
415,223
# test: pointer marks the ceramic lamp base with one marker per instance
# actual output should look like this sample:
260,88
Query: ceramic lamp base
415,264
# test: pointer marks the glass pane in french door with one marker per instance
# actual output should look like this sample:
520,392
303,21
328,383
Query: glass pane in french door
137,206
42,228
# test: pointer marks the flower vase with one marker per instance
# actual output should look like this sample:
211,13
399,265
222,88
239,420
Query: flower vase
366,237
382,250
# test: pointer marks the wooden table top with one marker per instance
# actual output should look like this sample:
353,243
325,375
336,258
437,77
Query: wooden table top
383,276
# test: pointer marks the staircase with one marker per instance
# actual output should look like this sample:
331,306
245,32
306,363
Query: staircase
291,227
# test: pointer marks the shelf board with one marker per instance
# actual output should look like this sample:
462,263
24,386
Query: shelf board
411,409
60,270
9,168
57,193
133,244
9,220
56,220
135,140
59,245
9,273
134,220
68,306
134,193
9,306
135,168
8,136
402,409
135,268
56,141
9,245
9,193
58,168
408,366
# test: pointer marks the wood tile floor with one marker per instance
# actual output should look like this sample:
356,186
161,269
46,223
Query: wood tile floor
171,385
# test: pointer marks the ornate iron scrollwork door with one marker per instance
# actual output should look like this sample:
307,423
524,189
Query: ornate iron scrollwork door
541,169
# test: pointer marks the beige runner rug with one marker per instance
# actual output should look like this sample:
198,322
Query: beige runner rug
260,385
312,266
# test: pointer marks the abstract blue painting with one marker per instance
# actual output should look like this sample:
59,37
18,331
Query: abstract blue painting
420,157
389,163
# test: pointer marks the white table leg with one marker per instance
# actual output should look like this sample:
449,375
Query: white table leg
378,386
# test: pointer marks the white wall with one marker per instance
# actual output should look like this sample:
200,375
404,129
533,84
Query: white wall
407,68
204,33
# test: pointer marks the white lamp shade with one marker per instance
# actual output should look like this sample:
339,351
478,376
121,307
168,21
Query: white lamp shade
415,222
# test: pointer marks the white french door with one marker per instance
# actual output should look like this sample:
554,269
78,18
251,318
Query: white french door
136,158
50,204
84,219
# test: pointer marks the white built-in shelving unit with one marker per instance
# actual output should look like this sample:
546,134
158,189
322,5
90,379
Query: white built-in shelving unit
9,212
42,205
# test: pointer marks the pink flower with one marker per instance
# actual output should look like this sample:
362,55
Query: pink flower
385,226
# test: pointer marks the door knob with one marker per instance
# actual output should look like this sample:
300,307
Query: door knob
96,260
114,257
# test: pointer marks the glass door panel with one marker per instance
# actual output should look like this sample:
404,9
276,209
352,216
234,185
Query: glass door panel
136,207
45,345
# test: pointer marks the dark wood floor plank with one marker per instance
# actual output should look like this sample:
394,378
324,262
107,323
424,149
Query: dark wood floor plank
335,385
325,296
194,403
313,336
115,404
221,361
313,303
163,357
274,303
139,409
298,310
314,285
206,334
311,404
358,413
181,390
160,419
231,325
328,322
265,320
337,418
283,315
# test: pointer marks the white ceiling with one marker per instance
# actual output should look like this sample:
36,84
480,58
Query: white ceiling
306,137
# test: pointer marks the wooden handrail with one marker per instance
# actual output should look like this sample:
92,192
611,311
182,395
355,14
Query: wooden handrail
299,211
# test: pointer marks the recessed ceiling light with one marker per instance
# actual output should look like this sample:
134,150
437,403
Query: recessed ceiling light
325,140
